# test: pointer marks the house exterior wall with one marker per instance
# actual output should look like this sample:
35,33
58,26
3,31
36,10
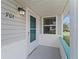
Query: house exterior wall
15,42
13,36
9,25
52,39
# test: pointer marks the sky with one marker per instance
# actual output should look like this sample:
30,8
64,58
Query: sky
66,20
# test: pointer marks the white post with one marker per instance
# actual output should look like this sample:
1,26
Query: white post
74,28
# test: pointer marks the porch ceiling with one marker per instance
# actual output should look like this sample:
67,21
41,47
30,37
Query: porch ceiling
47,7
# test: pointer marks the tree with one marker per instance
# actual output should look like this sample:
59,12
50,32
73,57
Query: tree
65,27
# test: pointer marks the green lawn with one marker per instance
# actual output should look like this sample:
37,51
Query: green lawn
66,37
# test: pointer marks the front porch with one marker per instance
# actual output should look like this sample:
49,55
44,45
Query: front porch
45,52
33,29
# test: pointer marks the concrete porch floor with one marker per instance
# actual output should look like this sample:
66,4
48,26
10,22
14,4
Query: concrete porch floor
45,52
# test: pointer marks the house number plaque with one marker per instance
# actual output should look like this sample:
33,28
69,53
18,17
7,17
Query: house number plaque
9,15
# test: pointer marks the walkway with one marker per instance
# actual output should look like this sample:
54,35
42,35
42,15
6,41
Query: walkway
45,52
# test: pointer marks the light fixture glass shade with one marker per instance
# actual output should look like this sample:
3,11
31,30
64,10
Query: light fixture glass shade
21,12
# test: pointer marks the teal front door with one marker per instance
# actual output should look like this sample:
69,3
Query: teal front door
32,28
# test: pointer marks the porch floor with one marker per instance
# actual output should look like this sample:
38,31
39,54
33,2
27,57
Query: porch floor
45,52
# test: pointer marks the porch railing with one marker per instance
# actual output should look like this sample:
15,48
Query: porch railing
65,47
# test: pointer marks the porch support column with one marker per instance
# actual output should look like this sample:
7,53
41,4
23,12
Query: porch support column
74,29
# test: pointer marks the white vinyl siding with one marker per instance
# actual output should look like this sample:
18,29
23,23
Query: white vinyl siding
12,30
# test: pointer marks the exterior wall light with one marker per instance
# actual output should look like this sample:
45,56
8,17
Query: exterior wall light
21,11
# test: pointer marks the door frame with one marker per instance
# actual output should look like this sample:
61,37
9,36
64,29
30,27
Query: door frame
34,44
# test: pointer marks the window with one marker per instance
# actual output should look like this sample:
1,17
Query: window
49,25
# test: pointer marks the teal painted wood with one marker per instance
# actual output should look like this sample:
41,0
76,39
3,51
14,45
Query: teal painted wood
65,46
32,28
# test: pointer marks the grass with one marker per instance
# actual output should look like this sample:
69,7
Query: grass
66,37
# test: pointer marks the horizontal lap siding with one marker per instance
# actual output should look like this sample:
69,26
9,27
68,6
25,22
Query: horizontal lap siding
12,30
